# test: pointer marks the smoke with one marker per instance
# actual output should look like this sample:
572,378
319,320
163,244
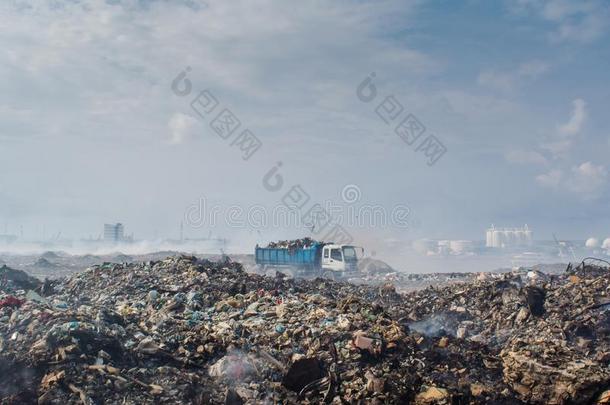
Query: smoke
212,246
235,367
437,325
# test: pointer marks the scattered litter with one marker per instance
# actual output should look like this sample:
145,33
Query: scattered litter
184,330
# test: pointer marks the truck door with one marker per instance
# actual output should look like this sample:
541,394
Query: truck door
335,261
326,258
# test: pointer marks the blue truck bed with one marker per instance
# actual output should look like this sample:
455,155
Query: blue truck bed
303,257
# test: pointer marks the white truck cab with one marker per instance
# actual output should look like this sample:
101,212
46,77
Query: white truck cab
339,258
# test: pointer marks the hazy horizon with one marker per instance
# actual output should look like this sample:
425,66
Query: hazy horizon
98,125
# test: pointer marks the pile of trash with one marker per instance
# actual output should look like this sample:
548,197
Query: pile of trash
11,279
549,334
184,330
294,244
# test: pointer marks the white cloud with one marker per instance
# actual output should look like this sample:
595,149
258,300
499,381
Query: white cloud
507,81
95,74
560,10
85,76
559,148
580,21
586,179
560,143
181,128
551,179
110,65
577,119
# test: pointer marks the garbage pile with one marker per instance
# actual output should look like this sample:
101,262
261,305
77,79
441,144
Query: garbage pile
184,330
11,279
549,336
294,244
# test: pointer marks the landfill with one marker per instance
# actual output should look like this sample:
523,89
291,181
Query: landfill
187,330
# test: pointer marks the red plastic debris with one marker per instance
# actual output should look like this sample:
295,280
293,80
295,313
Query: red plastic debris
11,301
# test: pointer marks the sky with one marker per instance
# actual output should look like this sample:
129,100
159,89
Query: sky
97,125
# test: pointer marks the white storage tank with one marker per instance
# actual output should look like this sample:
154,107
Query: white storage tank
592,243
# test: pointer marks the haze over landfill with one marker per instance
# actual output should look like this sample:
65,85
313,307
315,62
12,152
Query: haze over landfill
245,202
516,91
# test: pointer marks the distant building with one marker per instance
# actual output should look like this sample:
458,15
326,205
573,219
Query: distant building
113,232
460,247
508,237
444,247
431,247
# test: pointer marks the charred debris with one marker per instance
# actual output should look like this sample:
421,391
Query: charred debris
184,330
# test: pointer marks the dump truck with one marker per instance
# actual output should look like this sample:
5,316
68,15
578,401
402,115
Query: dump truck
319,259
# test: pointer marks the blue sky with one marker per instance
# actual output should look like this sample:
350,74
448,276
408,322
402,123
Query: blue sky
516,90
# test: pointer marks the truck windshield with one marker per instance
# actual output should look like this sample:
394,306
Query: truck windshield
349,253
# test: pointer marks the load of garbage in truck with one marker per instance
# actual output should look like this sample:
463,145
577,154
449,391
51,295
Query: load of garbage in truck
309,258
186,330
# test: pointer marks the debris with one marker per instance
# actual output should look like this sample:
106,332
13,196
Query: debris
184,330
11,301
11,280
33,296
443,342
370,345
432,395
301,373
49,379
574,279
603,398
374,383
477,389
294,244
535,300
233,398
522,315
